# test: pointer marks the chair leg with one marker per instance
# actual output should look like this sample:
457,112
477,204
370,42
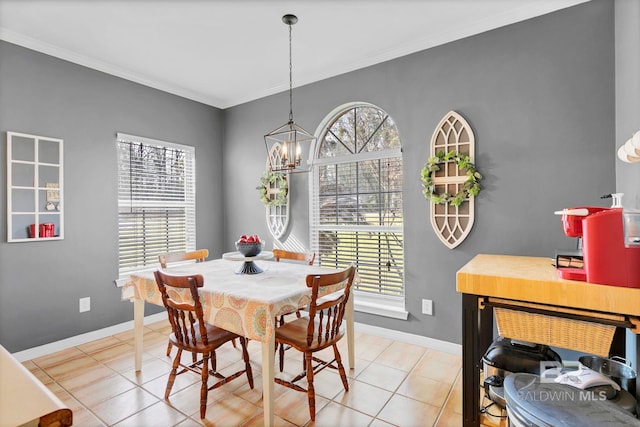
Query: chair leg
343,374
169,349
172,375
311,393
280,347
247,364
233,341
203,388
281,356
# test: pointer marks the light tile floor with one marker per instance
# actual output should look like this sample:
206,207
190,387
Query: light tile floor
394,383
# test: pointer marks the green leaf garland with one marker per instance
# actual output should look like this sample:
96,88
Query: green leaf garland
471,186
270,180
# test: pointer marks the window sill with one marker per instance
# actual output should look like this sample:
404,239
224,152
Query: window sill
123,278
120,282
380,305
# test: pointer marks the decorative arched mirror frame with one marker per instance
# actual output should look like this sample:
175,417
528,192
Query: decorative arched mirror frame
277,216
452,224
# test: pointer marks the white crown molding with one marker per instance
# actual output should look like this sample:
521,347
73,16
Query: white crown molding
67,55
525,11
509,17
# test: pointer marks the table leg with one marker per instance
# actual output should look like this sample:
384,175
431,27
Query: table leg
477,335
268,349
138,331
350,333
470,357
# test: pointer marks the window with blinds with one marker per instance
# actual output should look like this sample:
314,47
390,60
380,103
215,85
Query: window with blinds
357,210
156,200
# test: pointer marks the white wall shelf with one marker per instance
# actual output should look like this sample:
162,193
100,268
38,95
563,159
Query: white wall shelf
34,188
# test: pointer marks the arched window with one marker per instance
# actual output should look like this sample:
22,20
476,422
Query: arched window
356,204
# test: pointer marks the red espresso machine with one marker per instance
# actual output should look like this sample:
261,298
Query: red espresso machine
610,245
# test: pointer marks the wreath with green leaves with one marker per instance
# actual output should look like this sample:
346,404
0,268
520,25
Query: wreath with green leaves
270,180
471,186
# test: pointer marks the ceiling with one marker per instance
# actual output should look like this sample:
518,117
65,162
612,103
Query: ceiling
224,53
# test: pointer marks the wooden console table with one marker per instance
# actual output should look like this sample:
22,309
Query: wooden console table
516,281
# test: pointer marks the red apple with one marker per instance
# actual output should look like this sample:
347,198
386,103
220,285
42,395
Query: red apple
251,239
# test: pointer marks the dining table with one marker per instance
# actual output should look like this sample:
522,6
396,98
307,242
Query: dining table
246,304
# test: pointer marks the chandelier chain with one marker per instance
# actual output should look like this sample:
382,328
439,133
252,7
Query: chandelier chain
286,141
290,80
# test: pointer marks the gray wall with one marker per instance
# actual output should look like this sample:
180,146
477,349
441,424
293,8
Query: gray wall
540,98
627,37
41,282
538,94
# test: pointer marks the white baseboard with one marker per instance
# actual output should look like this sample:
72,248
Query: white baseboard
445,346
45,349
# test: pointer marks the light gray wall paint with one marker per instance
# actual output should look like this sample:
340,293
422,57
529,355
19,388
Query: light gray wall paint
41,282
627,42
627,48
539,96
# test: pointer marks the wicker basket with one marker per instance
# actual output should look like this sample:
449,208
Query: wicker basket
578,335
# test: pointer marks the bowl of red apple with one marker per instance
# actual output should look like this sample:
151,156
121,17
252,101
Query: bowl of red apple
249,245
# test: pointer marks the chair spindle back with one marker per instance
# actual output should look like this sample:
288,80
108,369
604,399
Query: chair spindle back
328,309
184,316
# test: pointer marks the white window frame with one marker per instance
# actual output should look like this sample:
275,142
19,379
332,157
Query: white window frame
189,202
366,302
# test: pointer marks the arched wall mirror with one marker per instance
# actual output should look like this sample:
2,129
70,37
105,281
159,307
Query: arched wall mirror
277,215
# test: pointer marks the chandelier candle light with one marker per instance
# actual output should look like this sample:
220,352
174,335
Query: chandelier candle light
289,136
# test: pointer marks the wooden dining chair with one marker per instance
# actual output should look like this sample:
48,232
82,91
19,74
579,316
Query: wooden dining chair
307,257
322,328
191,333
165,259
200,255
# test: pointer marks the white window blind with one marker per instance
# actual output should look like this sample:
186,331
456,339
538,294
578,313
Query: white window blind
156,200
356,203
